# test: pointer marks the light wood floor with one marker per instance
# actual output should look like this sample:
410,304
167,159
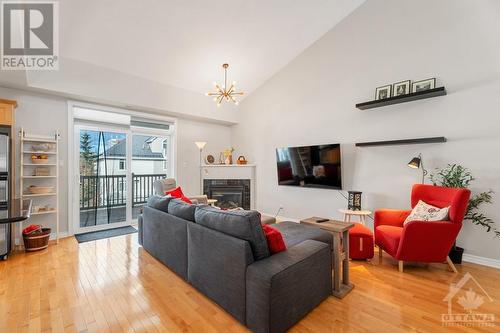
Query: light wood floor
113,285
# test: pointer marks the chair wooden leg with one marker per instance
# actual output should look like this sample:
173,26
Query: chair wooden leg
400,263
452,266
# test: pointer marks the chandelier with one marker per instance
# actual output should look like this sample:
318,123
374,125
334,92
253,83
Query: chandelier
225,93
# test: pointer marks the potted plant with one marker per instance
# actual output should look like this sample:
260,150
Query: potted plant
228,156
455,175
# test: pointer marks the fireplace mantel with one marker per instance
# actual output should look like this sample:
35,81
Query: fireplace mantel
233,171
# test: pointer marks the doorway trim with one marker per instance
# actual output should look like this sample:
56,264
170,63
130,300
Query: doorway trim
73,215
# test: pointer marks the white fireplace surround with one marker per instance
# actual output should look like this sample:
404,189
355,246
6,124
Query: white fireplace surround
232,171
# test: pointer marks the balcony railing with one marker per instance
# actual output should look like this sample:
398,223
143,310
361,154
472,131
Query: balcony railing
111,191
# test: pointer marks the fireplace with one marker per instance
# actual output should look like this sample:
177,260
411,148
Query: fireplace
229,193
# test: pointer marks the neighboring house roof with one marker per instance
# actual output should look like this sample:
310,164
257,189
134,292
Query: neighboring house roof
140,148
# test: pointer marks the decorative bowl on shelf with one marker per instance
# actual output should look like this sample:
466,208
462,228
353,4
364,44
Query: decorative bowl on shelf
41,147
39,159
40,189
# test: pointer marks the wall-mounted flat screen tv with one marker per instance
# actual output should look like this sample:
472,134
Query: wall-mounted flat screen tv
310,166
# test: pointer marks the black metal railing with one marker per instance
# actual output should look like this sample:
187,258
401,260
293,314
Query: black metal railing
112,191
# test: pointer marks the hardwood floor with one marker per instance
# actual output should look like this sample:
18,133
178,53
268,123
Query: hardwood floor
113,285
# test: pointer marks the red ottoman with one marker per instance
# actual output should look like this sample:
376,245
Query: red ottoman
360,242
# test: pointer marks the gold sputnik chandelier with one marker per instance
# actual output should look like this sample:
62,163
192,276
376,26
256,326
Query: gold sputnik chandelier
225,93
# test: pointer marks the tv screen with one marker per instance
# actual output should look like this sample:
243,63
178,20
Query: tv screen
310,166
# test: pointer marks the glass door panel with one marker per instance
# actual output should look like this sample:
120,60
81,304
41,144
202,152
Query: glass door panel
151,160
103,178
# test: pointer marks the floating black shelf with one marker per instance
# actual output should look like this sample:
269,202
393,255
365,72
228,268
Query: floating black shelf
437,139
441,91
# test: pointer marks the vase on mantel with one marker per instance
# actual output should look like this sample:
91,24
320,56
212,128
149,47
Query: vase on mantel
229,160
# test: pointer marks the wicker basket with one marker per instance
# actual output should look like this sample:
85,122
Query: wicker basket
37,241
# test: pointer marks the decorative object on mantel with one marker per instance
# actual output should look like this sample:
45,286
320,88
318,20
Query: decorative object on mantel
423,85
228,156
200,145
437,139
417,163
383,92
229,94
401,88
221,158
455,175
354,200
241,160
210,159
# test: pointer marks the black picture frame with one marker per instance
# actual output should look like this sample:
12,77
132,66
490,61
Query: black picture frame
419,85
385,90
396,91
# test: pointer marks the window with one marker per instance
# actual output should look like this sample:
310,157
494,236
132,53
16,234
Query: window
122,165
165,154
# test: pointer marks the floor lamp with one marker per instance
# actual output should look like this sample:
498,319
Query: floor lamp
201,145
417,163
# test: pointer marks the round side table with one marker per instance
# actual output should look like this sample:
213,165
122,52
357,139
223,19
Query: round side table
362,214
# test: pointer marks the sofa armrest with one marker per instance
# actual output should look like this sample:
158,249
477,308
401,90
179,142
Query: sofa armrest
284,287
199,199
393,217
427,241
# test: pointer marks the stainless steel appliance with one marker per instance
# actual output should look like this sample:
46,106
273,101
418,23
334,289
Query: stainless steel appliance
5,186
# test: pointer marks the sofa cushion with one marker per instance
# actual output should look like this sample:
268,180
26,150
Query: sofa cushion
242,224
388,237
183,210
159,202
295,233
275,240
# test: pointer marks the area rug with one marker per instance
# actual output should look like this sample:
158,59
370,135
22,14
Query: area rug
95,235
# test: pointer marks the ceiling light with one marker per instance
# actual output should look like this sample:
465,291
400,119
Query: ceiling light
225,93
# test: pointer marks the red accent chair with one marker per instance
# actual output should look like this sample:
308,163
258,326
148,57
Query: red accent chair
422,241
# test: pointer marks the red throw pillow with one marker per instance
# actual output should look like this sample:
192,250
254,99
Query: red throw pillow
274,238
177,193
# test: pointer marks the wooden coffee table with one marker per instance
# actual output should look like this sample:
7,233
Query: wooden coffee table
340,255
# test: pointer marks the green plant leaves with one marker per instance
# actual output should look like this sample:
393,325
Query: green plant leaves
455,175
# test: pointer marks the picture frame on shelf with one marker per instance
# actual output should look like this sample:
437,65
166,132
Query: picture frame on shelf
401,88
423,85
383,92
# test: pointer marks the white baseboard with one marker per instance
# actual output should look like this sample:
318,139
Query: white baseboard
481,260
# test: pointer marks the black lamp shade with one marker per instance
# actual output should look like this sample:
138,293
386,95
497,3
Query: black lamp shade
414,163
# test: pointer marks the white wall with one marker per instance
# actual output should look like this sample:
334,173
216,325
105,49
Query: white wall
312,101
217,137
43,114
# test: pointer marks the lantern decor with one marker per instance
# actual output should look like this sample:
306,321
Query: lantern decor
354,200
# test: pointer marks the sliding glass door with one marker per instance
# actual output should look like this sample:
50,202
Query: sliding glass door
102,184
116,168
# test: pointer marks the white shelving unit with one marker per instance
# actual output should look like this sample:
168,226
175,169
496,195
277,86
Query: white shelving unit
28,178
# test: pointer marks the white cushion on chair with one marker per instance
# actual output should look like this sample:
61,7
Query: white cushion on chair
425,212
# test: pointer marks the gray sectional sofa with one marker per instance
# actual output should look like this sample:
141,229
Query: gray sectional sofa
225,256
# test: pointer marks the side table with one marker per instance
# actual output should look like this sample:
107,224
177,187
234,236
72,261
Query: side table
340,255
362,214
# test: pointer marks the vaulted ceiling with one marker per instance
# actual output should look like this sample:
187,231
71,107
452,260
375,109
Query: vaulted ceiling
183,43
162,55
